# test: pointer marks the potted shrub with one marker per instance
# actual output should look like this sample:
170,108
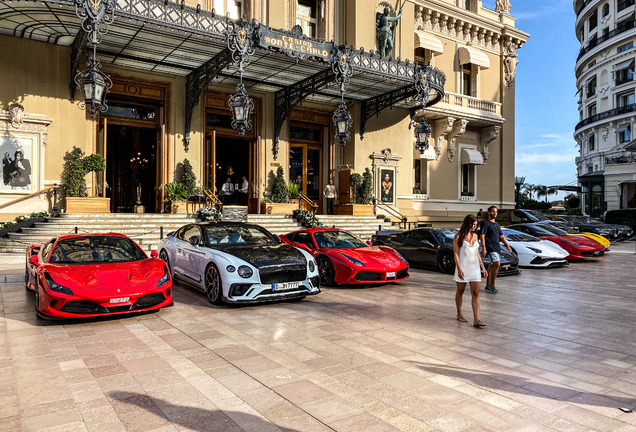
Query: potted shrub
74,186
292,189
175,198
279,202
362,205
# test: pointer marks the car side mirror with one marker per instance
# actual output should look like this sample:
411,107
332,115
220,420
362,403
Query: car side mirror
303,246
35,251
153,254
369,243
277,238
34,260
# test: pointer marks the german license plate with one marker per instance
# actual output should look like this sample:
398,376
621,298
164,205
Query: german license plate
390,275
286,286
120,300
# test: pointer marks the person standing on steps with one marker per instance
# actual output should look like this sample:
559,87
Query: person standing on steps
490,236
469,268
330,195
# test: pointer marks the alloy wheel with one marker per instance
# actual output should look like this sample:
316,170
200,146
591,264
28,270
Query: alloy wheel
213,286
163,255
326,271
446,263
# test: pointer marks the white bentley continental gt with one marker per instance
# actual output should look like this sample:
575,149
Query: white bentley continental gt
236,262
534,252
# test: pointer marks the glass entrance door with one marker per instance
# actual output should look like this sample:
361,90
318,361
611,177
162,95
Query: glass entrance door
305,171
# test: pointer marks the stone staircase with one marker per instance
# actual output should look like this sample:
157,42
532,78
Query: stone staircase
145,228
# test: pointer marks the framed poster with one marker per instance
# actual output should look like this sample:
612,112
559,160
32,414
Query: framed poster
387,185
17,162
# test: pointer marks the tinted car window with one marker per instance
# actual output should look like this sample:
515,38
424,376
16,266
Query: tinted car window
519,237
191,233
90,250
337,240
235,235
422,235
444,236
620,216
47,250
303,238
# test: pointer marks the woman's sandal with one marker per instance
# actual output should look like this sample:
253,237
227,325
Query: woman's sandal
479,324
461,319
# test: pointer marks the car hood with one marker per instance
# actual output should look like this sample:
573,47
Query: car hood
107,275
371,256
579,239
547,248
506,258
265,256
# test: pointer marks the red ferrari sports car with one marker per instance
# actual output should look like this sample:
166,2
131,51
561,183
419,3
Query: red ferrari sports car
87,275
344,258
578,247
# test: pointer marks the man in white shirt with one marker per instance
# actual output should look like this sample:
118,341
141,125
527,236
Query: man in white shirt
227,191
243,197
330,195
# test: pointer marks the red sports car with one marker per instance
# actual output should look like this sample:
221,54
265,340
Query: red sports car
578,247
87,275
344,258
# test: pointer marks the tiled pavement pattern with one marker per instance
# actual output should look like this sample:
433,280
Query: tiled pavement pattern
558,354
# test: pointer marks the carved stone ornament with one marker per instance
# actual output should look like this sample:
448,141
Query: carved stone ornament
510,62
16,111
459,128
604,134
488,135
503,6
442,128
385,158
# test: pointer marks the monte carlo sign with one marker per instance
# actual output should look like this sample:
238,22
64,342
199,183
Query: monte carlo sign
295,44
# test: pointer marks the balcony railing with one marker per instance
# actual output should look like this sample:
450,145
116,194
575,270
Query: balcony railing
595,42
620,160
625,4
605,115
625,79
472,103
583,6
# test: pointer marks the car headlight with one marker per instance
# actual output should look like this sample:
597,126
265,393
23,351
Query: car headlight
230,269
54,286
312,265
353,260
401,258
572,243
165,278
245,272
535,250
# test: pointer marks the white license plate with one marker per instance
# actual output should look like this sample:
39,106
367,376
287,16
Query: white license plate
390,275
120,300
286,286
506,267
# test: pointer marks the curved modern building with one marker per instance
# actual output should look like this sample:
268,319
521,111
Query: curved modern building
607,109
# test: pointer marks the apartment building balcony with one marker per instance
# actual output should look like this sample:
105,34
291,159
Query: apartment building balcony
623,159
629,25
606,115
480,112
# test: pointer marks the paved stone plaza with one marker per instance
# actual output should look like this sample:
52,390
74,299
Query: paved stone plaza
558,353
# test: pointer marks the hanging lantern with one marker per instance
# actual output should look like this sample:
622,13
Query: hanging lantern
342,120
241,106
422,135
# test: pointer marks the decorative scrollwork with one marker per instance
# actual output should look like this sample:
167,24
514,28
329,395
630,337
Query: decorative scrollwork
96,16
342,67
240,41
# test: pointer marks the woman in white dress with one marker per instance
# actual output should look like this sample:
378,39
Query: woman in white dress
468,267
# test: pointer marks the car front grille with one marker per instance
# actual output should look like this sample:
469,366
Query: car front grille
365,276
315,281
539,260
284,273
401,274
82,307
146,301
593,254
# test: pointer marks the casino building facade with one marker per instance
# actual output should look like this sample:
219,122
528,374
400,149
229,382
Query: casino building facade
174,67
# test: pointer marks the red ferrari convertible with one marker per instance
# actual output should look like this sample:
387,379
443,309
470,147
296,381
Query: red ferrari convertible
344,258
578,247
87,275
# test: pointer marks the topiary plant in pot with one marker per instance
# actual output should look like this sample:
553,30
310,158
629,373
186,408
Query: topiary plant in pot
77,166
280,197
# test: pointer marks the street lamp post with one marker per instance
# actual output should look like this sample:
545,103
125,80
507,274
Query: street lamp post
519,181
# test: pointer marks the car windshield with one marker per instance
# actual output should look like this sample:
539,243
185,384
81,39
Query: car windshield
563,227
337,240
516,236
536,215
551,229
589,220
235,235
97,249
445,237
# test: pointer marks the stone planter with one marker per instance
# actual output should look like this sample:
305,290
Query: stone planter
278,208
18,226
354,210
87,205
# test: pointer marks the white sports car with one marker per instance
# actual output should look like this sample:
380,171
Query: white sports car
534,252
239,263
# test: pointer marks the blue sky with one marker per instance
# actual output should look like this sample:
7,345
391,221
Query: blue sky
546,87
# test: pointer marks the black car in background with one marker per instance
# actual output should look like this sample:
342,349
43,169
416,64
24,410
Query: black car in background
625,217
591,225
509,217
433,248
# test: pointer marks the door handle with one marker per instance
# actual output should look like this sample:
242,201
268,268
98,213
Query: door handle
179,250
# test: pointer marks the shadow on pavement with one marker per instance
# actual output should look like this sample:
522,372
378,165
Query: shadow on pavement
191,417
510,383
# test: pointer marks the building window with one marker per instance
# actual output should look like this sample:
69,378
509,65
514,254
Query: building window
606,33
593,21
467,4
469,79
306,17
590,143
625,99
625,47
624,133
606,10
591,87
589,169
624,4
592,64
223,7
591,110
625,75
468,180
423,55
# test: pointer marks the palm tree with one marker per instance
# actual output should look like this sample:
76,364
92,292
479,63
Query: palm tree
544,191
528,189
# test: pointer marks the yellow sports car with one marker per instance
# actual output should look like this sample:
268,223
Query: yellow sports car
571,231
